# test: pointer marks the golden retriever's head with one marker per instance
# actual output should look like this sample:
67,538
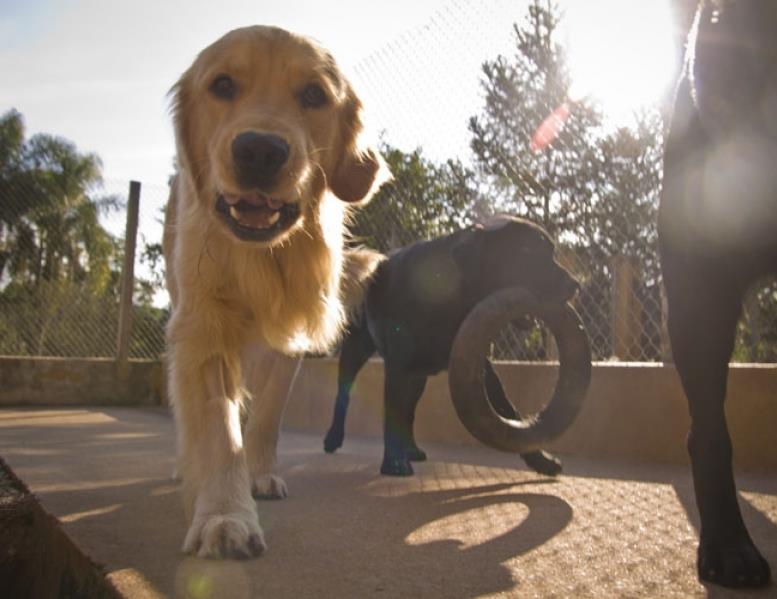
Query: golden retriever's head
265,124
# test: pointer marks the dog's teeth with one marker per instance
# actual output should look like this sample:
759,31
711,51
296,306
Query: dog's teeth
274,218
234,213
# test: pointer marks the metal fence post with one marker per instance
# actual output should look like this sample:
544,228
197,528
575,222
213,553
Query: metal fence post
626,324
666,345
753,319
128,277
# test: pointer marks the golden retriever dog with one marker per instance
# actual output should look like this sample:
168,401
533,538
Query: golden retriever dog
269,156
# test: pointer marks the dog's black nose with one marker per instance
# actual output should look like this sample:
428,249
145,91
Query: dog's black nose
258,157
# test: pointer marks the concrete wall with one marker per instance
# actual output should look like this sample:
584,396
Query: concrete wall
68,381
634,411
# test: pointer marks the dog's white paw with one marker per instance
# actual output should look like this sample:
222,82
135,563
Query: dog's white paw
269,486
236,535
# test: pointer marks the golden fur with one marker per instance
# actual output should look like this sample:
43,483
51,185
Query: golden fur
243,309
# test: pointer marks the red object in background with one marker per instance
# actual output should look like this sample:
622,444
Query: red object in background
550,128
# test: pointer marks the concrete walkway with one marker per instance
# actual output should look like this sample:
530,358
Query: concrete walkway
471,523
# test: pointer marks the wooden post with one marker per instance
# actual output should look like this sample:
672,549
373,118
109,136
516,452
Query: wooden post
551,347
569,259
128,277
666,345
753,318
625,315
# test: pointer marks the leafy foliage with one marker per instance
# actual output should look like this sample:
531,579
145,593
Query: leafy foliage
593,188
550,187
59,267
424,200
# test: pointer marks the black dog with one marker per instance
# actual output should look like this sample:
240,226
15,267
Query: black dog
414,306
718,234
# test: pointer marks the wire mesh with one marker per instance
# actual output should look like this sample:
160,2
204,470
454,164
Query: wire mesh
462,99
459,106
60,273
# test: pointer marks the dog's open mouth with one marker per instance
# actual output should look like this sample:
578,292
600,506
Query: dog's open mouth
254,216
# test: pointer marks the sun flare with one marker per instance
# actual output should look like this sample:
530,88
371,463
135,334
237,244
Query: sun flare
621,52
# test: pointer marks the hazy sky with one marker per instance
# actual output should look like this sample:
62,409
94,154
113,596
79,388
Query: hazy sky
97,71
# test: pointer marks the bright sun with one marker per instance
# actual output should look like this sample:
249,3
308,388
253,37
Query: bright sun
621,52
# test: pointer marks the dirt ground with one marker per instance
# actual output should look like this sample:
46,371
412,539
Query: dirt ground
472,522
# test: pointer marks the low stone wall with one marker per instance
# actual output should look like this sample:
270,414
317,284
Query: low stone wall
88,381
634,411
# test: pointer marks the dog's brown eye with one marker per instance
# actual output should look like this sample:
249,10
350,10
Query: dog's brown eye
223,87
313,96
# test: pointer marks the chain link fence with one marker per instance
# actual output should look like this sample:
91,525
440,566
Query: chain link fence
486,114
61,252
623,310
593,186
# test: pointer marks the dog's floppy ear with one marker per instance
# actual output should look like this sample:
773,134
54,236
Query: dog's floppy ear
359,171
180,95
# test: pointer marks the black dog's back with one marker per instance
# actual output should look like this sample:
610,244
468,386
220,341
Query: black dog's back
415,304
400,323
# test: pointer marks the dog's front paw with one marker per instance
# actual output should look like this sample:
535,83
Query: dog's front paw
737,565
415,454
232,536
396,467
269,486
333,440
542,462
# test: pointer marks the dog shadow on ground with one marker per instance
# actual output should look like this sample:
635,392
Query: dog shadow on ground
403,537
454,530
455,533
762,529
344,530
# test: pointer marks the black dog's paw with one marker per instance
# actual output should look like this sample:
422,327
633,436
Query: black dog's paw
333,440
396,467
737,565
415,454
542,462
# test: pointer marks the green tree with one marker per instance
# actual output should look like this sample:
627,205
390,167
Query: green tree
551,186
49,220
424,200
11,181
627,183
593,188
59,267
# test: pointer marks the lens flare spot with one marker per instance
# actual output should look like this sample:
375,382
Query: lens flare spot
435,279
212,579
199,586
550,128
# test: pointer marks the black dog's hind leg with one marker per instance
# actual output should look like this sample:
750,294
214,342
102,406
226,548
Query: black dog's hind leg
702,328
539,461
356,350
412,451
401,394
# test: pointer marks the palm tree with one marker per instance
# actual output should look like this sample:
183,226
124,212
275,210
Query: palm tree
58,265
49,220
